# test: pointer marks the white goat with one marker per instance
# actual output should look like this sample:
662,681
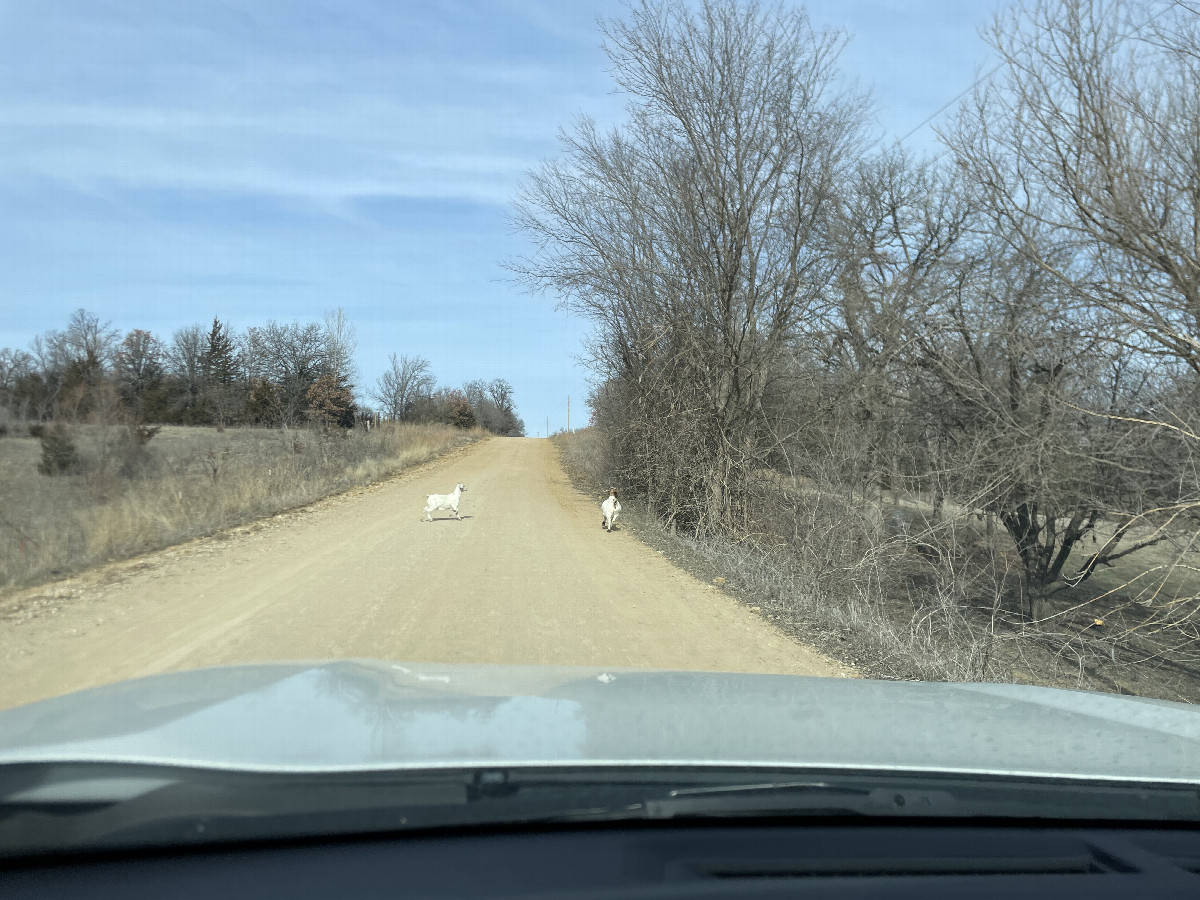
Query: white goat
444,501
610,509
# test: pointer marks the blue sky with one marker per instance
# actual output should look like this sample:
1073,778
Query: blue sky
166,161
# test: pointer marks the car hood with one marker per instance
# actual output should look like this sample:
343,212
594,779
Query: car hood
374,715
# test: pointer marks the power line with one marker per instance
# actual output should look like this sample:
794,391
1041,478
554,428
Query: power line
941,109
982,78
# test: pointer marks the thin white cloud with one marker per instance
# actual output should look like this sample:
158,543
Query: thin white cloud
307,101
162,161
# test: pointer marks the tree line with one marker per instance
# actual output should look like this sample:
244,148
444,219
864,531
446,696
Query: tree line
276,375
1010,326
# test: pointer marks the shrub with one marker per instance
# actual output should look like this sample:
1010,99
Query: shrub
132,457
142,434
331,403
459,412
59,455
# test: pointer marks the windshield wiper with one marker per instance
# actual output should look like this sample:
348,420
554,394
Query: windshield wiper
56,807
799,798
908,795
792,798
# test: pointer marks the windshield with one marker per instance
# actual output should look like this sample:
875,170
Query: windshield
437,387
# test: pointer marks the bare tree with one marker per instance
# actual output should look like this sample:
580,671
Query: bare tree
476,391
408,379
185,362
999,367
341,341
17,368
86,346
1085,153
1090,142
76,360
695,235
501,393
46,379
138,368
900,223
291,357
487,414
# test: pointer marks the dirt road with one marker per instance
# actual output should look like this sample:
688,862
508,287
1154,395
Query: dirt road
527,576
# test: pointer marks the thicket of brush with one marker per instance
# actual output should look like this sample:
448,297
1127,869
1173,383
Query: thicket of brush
956,395
898,590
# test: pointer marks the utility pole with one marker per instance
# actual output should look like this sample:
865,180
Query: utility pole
568,413
547,426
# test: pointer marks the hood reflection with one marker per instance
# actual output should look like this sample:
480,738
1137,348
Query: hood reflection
360,714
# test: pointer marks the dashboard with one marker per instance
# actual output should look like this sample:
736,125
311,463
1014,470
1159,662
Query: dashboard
744,859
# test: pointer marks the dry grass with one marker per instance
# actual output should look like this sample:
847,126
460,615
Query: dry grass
840,585
1131,627
1158,574
184,483
886,588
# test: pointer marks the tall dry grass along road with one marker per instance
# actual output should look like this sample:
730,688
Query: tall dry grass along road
526,576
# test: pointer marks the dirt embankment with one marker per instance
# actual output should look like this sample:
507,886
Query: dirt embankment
527,576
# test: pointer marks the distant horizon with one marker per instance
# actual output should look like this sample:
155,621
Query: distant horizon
164,164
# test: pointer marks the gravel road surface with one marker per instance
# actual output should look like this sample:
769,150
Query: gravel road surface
526,576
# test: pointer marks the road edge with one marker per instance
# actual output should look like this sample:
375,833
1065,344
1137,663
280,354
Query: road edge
114,571
658,540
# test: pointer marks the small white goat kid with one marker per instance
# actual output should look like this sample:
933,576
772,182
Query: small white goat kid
610,509
444,501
